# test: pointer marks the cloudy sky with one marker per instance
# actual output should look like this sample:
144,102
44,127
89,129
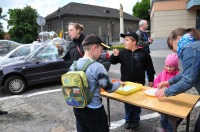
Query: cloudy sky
45,7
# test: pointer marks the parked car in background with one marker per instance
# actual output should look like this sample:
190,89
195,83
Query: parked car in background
43,65
18,53
6,46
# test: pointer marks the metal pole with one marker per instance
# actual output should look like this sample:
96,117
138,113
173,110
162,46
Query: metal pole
62,29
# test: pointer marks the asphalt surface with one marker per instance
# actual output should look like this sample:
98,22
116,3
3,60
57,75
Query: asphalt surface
47,112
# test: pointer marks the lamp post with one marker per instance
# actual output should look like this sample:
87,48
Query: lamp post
62,23
121,22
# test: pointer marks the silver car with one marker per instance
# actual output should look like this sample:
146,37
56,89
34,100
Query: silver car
6,46
18,53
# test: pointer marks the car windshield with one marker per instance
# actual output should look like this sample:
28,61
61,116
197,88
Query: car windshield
53,50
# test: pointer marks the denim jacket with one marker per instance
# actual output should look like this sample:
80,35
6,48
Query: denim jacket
190,77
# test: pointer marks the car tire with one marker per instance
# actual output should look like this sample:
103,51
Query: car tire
15,85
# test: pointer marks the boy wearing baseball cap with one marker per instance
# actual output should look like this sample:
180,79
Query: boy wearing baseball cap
134,62
93,118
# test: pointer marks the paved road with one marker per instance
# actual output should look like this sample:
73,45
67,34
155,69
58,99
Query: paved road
46,111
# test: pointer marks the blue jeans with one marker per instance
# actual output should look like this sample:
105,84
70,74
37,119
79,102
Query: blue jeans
197,126
166,123
91,120
132,113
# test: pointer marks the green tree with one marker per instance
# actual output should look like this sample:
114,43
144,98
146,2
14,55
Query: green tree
1,31
141,10
23,22
1,26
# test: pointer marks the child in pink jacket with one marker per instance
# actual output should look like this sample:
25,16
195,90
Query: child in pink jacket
171,69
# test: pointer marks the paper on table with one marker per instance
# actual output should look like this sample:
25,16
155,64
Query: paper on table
151,91
126,88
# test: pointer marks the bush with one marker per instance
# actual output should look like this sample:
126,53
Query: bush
117,47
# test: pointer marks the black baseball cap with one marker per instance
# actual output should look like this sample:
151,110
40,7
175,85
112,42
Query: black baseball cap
93,39
132,34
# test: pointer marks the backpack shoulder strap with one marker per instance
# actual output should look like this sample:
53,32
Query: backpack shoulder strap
87,63
75,65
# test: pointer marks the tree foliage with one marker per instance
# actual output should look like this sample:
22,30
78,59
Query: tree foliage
24,28
1,31
141,10
1,26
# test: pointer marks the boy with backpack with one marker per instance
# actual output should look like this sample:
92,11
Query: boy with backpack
93,118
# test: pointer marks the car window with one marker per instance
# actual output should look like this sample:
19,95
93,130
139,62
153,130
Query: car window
7,46
49,53
4,46
13,46
23,51
36,46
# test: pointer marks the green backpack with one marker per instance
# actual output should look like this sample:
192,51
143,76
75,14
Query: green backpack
75,86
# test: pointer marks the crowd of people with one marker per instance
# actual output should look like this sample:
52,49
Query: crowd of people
136,63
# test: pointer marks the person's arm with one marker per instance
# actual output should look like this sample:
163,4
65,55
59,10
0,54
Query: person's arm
104,81
115,57
189,76
157,80
175,79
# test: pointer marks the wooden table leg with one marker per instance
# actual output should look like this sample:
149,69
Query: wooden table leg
108,109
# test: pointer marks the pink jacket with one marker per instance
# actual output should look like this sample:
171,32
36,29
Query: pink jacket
164,76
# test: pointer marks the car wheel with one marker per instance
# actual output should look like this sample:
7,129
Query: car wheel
15,85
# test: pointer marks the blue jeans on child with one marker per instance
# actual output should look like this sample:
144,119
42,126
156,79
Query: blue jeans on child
91,120
132,113
166,123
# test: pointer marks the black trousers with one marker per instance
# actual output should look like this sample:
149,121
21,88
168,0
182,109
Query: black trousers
197,126
91,120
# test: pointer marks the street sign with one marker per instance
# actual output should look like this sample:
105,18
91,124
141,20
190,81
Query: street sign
40,21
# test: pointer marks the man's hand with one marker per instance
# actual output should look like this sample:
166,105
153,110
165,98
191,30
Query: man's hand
150,40
163,84
160,93
122,83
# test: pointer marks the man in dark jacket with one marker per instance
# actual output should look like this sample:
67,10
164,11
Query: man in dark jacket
143,39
